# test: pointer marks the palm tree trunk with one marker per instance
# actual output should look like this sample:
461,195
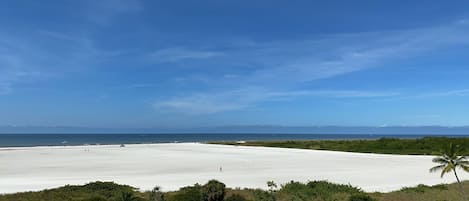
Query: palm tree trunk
460,185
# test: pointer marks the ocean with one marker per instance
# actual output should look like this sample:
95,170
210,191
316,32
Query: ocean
28,140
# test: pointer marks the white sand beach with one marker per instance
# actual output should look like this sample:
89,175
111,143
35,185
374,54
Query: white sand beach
172,166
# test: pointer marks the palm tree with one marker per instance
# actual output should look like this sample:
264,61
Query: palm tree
449,161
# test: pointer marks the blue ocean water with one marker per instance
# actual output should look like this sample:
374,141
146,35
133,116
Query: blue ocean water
26,140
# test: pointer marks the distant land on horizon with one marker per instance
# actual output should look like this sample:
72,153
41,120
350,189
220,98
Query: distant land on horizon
255,129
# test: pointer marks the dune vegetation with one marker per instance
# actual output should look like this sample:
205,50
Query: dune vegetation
216,191
419,146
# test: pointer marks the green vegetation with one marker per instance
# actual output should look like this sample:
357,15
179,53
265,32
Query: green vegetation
316,190
97,191
190,193
214,190
421,146
441,192
128,196
361,197
449,161
235,197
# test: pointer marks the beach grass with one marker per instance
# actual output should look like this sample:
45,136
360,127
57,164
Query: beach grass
311,191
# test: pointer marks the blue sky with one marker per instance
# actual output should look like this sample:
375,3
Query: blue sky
133,64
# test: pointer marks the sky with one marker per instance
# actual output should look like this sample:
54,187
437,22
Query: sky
151,64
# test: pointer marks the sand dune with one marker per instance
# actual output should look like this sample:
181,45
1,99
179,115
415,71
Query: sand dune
176,165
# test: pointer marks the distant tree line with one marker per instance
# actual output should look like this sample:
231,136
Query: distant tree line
418,146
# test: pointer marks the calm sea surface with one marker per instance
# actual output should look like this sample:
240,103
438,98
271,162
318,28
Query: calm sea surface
22,140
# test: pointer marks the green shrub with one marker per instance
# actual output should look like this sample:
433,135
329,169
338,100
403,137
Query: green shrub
260,195
421,188
297,191
128,196
235,197
360,197
96,191
97,198
325,186
213,191
191,193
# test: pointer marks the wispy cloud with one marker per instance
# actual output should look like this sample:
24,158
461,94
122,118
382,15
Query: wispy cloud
104,12
62,36
180,54
342,54
422,116
43,55
459,92
282,66
135,86
208,103
319,57
197,105
15,65
351,94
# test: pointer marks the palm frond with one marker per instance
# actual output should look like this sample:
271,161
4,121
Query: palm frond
463,162
440,160
448,168
437,168
465,168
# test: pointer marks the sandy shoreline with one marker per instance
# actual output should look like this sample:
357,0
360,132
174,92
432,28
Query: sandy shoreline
172,166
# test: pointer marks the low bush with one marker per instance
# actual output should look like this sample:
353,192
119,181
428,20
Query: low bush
235,197
360,197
